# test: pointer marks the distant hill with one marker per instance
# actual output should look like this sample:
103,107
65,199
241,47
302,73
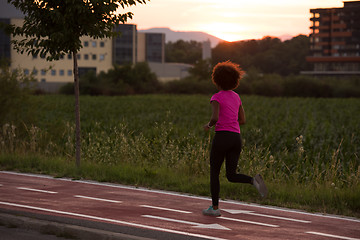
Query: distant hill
173,36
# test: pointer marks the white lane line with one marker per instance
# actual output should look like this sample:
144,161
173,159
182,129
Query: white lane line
263,215
332,236
281,218
196,225
111,221
165,209
250,222
97,199
36,190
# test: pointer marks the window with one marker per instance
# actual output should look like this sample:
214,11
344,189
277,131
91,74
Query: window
43,72
43,80
78,56
86,44
86,56
102,57
102,44
61,72
94,57
26,71
53,72
69,72
93,43
69,56
35,72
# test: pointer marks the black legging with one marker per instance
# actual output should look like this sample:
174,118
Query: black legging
225,145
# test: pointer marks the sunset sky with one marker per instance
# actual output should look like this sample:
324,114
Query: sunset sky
230,20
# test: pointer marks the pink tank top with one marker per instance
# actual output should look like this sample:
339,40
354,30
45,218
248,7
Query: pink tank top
229,102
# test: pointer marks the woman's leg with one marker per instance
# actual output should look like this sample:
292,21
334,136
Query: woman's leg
232,158
217,156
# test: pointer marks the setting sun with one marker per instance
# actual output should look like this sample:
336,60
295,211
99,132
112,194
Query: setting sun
226,31
228,37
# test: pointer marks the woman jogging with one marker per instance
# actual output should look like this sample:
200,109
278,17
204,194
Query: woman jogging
227,116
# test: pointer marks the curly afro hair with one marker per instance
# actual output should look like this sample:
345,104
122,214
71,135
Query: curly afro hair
227,75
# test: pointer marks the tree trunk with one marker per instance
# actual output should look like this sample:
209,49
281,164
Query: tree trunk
77,111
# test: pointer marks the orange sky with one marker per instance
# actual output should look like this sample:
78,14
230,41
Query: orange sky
230,20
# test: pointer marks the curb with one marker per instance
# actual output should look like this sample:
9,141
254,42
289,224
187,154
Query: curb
62,229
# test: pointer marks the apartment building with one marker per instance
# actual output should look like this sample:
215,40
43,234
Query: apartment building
96,55
335,40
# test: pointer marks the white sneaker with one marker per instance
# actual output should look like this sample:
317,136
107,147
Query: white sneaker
259,183
211,212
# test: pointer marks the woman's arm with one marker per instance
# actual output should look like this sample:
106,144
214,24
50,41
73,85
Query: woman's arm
215,115
241,118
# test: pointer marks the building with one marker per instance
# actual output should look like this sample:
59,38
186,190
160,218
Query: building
97,55
206,50
151,47
4,41
170,71
125,45
335,40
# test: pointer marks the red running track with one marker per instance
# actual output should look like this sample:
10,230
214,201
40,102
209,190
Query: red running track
166,211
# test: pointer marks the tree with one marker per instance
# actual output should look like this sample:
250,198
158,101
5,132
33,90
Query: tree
267,55
53,28
201,70
183,51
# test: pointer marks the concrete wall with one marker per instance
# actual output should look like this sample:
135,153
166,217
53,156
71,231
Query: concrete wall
170,71
141,48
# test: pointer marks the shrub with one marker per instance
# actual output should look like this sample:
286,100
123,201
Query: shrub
188,85
269,85
302,86
121,80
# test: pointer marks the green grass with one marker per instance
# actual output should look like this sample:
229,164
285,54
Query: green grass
306,149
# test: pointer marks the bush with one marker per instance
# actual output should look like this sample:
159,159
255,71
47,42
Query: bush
188,85
270,85
138,79
302,86
121,80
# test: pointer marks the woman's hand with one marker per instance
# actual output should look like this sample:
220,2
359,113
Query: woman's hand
214,117
206,127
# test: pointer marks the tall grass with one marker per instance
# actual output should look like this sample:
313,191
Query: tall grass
306,149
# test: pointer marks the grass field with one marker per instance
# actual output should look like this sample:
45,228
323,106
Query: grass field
307,149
